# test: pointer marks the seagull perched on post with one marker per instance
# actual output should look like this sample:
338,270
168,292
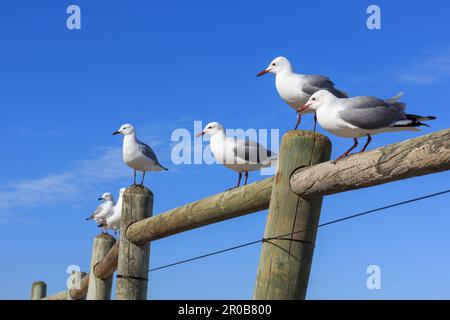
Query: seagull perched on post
104,209
136,154
112,221
295,89
242,156
361,116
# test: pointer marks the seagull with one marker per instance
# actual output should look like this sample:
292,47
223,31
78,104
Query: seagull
136,154
112,221
295,89
103,210
238,155
362,116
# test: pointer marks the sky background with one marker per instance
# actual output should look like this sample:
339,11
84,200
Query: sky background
162,65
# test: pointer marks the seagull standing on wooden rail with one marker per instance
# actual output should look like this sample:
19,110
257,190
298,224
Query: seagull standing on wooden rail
361,116
242,156
295,89
112,221
136,154
104,209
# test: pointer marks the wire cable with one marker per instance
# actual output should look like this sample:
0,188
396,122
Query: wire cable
299,231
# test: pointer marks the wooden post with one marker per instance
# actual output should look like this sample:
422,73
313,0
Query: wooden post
100,289
132,267
285,263
38,290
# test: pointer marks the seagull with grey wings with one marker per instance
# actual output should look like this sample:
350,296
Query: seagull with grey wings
103,209
295,89
136,154
239,155
361,116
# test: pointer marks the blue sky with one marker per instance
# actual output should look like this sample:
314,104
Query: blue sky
163,65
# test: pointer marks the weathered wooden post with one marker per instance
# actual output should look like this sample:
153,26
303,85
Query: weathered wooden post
38,290
132,267
285,262
100,289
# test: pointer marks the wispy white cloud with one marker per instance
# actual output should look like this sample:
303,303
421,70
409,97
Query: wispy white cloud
431,68
70,185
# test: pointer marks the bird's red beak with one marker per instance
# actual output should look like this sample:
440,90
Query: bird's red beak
303,108
200,134
263,72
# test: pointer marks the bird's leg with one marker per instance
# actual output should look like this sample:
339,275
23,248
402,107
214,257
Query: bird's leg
134,183
299,118
315,121
239,180
348,151
246,178
369,138
143,176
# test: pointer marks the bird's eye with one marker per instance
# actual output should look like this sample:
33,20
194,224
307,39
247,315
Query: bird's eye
273,63
313,99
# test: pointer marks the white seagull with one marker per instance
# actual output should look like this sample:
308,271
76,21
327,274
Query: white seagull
361,116
295,89
136,154
104,209
238,155
112,221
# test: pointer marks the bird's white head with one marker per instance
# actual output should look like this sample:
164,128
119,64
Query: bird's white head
277,65
106,197
121,191
318,99
211,129
125,129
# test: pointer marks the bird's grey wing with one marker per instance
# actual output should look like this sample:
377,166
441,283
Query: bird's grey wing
314,83
252,152
147,151
98,209
371,113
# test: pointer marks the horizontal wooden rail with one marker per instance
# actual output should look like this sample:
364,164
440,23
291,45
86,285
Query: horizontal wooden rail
223,206
411,158
105,268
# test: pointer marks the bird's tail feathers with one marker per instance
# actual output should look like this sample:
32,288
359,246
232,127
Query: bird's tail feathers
415,117
395,98
163,168
413,120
